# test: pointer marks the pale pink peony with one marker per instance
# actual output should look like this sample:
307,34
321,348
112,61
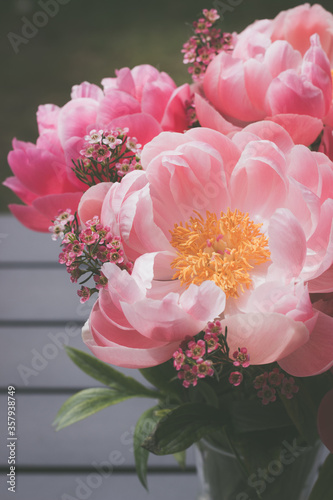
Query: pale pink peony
139,320
143,99
263,79
296,25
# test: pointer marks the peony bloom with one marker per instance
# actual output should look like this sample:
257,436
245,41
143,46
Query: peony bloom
142,99
40,175
296,25
264,78
236,229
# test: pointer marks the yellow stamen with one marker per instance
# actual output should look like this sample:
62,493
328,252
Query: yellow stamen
222,250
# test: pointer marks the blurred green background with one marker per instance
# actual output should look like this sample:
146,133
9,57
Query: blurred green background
88,40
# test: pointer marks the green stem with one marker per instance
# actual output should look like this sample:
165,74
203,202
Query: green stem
240,462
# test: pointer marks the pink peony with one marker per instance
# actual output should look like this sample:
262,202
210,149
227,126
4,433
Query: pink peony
264,78
296,25
40,175
239,230
142,99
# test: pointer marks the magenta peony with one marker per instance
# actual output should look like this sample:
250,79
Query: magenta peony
239,230
142,99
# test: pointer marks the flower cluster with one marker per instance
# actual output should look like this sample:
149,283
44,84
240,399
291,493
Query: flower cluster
107,155
206,356
268,383
205,44
242,360
84,251
59,223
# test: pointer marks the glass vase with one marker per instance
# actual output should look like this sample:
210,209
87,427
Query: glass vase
290,475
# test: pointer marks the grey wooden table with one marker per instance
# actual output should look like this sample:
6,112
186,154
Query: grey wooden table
39,312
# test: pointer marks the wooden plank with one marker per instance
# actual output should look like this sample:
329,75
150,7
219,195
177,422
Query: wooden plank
19,244
82,444
40,294
35,358
103,486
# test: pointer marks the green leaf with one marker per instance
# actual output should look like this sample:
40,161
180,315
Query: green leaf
144,427
208,393
107,375
252,415
163,377
180,457
303,413
182,427
86,403
323,489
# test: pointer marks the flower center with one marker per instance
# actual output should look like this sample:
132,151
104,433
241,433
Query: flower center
221,249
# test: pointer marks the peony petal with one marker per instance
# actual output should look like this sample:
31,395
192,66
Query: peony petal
301,128
251,43
107,333
142,126
321,243
125,356
316,355
257,79
304,168
156,266
30,217
47,117
266,130
163,319
287,244
50,205
224,86
323,283
92,201
145,73
229,152
268,337
87,90
75,118
124,81
175,117
259,172
305,206
39,171
72,148
122,286
137,225
211,118
157,146
291,93
114,104
155,97
114,198
316,68
173,318
20,190
274,296
204,302
281,56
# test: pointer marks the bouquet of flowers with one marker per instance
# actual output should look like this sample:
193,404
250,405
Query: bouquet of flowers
200,219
